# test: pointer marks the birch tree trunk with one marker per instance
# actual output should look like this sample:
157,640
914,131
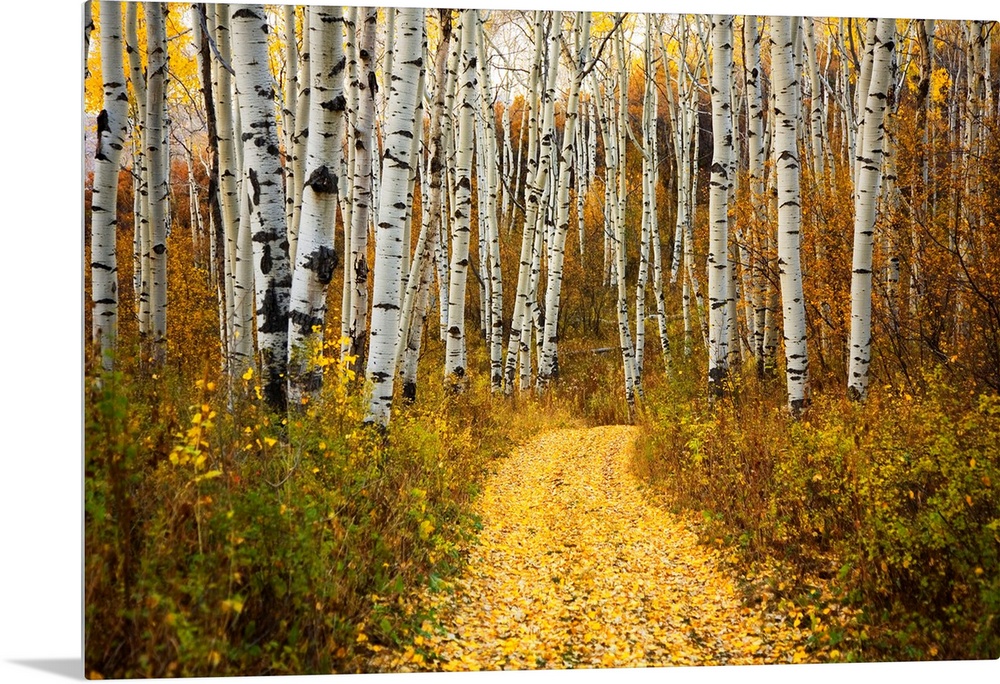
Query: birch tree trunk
159,181
392,209
140,180
262,188
520,323
548,367
300,135
786,159
112,124
455,355
869,163
356,268
322,183
490,157
718,255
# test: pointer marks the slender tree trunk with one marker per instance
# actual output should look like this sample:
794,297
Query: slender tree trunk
111,131
403,94
356,269
455,356
548,368
290,96
520,324
490,155
789,170
263,189
322,183
159,180
718,255
869,163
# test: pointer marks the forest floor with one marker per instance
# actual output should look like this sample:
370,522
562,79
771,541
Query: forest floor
577,566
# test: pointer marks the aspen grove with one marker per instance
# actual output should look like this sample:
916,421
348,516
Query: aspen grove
340,260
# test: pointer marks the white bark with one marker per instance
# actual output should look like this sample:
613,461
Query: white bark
490,182
322,184
548,367
520,325
300,136
402,104
356,268
718,255
262,187
869,163
455,355
111,131
290,98
159,180
786,159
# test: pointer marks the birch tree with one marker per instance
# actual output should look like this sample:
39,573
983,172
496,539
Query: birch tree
392,208
718,254
112,125
316,259
786,159
263,191
356,267
869,176
548,366
461,227
159,180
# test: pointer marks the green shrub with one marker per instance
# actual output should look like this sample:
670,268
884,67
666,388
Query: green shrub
896,501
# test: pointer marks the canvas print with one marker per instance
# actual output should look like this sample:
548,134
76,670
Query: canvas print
430,339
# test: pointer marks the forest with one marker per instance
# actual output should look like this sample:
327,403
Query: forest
467,339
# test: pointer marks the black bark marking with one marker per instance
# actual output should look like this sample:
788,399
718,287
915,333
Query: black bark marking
255,198
361,270
245,13
337,104
322,262
322,181
275,320
159,249
266,262
304,321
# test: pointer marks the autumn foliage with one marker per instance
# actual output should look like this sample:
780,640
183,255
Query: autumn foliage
225,538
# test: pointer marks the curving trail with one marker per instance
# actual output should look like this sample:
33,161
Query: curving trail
574,567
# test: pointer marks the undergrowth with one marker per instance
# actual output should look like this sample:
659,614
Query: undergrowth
887,511
221,539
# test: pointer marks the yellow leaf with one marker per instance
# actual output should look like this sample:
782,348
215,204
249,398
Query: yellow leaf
270,441
249,374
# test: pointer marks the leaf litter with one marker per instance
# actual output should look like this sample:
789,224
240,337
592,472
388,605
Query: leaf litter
576,567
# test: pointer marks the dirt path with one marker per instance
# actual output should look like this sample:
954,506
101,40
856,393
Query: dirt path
574,567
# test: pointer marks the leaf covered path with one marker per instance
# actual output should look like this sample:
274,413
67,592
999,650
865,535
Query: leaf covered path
575,567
